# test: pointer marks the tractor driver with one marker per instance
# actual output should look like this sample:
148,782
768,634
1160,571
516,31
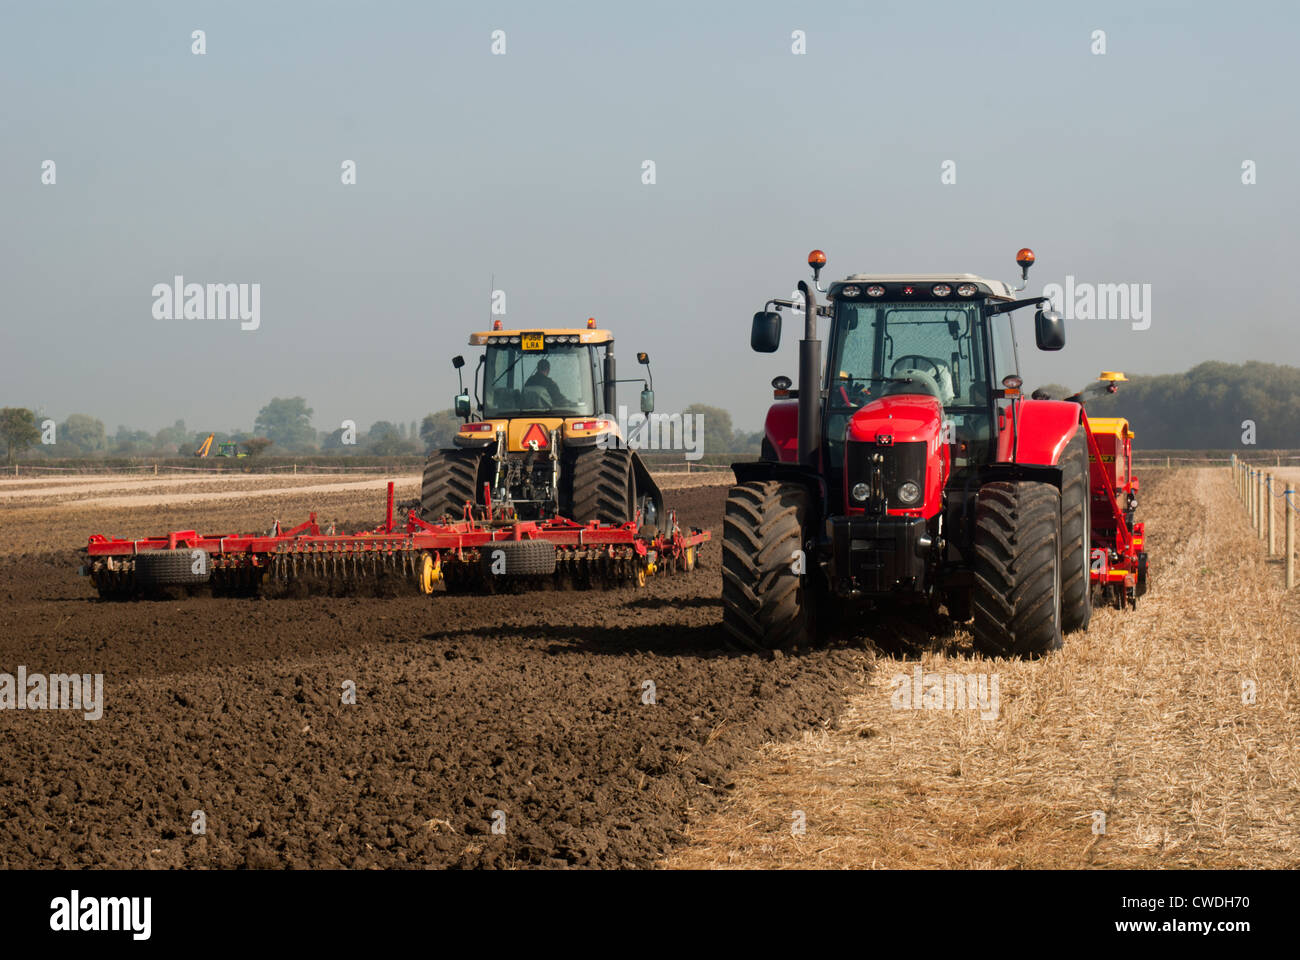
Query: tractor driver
541,380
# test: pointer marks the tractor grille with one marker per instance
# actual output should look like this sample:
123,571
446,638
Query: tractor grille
899,462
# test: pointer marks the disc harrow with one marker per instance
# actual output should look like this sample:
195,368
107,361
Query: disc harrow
471,555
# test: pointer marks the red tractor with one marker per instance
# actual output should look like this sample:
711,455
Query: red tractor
913,470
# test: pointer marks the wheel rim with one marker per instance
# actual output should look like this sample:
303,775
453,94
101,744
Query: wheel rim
428,574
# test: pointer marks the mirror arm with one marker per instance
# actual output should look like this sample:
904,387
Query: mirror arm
1017,304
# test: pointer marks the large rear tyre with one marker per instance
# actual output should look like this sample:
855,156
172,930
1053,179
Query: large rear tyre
600,486
766,601
1076,536
451,477
1017,594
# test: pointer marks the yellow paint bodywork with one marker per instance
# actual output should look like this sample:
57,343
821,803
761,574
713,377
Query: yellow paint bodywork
584,334
518,428
1116,425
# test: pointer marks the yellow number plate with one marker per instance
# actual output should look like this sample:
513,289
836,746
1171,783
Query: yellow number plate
531,341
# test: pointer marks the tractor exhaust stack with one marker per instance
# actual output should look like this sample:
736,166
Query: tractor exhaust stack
810,356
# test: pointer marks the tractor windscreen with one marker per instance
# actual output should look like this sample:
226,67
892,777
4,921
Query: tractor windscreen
558,381
925,347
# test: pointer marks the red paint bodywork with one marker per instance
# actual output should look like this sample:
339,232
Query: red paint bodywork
782,430
906,418
1036,431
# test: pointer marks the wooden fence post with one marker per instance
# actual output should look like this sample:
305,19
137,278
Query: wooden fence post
1259,505
1290,537
1268,509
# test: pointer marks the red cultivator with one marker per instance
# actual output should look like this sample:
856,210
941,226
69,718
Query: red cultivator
466,556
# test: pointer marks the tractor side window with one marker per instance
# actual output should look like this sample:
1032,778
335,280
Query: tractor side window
1004,348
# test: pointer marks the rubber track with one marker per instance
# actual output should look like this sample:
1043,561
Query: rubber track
1017,549
761,597
598,480
450,478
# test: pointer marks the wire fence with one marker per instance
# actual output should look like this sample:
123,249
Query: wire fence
1275,460
160,469
305,469
1263,494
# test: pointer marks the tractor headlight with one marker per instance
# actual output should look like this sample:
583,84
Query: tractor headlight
861,491
909,493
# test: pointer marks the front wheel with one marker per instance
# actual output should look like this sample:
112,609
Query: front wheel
1076,535
1017,594
766,580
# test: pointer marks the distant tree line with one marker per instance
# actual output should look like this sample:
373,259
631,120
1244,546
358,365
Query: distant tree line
284,426
1214,405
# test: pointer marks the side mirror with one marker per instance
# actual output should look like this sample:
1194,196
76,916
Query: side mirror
1049,330
462,405
765,334
647,400
458,361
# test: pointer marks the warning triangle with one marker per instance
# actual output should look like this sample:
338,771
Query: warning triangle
536,432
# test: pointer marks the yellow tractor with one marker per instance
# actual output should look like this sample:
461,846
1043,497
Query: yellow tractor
541,436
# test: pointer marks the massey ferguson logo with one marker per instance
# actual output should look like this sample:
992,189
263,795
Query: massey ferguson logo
885,439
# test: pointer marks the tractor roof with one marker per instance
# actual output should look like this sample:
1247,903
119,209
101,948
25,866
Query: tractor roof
584,334
995,288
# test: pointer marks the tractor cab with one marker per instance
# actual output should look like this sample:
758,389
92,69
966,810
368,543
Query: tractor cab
551,373
925,337
906,349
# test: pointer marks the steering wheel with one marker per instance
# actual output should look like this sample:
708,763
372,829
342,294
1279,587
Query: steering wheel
902,364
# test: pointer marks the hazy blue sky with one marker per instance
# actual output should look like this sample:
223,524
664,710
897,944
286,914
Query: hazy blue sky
1123,167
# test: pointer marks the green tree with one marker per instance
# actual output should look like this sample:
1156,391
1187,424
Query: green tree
719,437
286,421
127,442
18,430
392,445
257,445
380,429
173,439
84,433
746,443
385,440
437,429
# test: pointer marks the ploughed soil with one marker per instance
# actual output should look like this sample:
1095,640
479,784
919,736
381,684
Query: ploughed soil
494,731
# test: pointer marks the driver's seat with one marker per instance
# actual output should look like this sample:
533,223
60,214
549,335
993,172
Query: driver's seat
536,398
940,381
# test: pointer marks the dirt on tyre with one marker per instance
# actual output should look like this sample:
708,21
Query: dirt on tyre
450,479
1076,536
601,486
766,603
171,568
1016,600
